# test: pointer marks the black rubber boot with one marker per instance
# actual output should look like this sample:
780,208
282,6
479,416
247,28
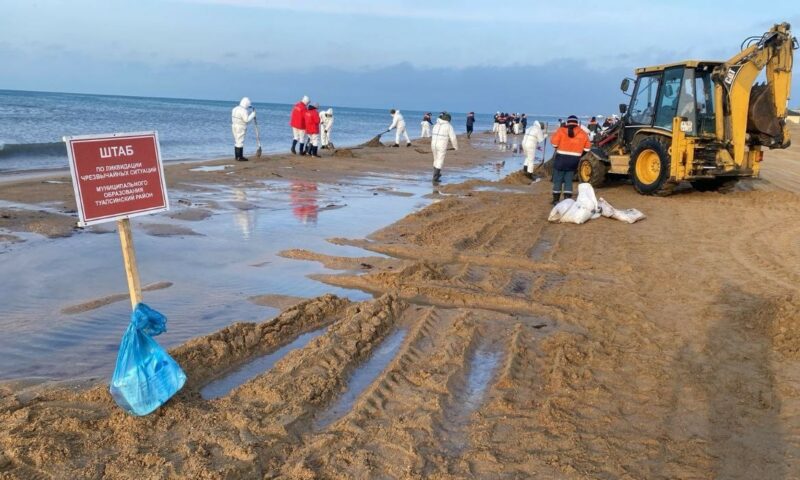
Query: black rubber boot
308,148
556,198
301,150
240,154
315,151
528,174
395,145
437,175
236,153
294,147
408,144
567,195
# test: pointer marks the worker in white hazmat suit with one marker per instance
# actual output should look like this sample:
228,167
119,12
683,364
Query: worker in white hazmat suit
426,126
241,115
502,129
530,142
399,123
440,136
326,122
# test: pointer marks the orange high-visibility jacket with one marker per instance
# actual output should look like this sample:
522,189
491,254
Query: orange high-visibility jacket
574,146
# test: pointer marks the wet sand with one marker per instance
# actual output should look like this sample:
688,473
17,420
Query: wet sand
665,349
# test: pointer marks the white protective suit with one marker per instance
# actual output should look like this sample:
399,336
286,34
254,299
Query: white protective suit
240,117
400,123
502,133
533,136
426,129
326,124
442,133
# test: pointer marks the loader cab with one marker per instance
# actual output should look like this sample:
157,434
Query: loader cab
667,91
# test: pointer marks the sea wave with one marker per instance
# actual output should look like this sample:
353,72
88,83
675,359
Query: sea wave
49,149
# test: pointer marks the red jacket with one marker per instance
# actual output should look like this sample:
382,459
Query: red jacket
298,116
312,121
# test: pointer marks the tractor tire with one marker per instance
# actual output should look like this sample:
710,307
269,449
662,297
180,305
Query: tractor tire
649,167
592,170
721,184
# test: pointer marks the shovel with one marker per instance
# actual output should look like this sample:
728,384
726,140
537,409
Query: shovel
376,140
258,138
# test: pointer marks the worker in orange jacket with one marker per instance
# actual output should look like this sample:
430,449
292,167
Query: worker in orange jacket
570,143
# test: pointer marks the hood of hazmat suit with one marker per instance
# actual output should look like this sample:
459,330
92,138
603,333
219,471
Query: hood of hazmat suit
245,103
533,135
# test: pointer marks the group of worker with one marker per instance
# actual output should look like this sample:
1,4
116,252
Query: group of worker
441,134
427,123
505,123
311,129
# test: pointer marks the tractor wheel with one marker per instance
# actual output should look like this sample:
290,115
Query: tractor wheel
592,170
649,167
722,184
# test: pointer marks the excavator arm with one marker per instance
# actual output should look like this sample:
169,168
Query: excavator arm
758,110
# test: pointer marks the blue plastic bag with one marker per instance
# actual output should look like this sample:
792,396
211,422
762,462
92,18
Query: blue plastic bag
145,376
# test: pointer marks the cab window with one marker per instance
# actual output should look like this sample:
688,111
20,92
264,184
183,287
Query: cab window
706,123
644,99
671,98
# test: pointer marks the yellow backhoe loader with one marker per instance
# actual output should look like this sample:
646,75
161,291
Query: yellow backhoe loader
699,121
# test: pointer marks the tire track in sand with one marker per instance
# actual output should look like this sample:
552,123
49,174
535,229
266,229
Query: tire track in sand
394,429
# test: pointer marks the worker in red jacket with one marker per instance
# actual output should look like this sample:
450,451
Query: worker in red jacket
312,130
570,143
297,122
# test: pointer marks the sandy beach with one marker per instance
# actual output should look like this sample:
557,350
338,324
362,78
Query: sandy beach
492,344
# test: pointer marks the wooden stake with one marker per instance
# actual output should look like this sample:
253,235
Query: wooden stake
129,258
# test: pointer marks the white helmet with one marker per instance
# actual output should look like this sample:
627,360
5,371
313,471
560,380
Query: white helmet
305,99
245,102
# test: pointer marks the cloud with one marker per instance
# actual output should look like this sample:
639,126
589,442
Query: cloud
507,12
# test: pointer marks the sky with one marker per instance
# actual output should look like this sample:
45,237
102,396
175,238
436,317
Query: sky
514,55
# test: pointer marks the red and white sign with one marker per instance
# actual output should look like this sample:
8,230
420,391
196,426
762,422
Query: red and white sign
116,176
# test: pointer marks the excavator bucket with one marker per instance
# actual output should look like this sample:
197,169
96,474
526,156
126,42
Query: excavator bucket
762,119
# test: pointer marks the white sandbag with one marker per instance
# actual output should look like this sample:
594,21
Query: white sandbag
630,215
606,209
576,214
586,197
560,209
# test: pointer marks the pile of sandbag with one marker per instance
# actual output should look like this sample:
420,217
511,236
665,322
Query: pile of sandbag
587,207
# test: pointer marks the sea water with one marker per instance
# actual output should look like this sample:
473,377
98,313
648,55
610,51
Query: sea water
32,125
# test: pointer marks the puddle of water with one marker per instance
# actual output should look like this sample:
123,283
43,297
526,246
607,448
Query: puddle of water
210,168
222,386
363,376
481,370
482,366
211,273
540,249
51,207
